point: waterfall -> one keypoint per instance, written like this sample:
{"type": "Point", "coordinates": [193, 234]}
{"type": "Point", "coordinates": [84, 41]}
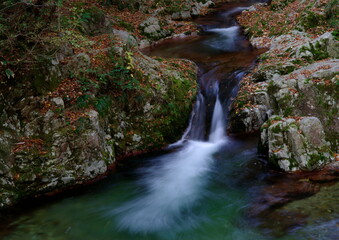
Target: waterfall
{"type": "Point", "coordinates": [217, 132]}
{"type": "Point", "coordinates": [176, 183]}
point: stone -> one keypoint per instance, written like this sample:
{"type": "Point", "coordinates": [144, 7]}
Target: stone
{"type": "Point", "coordinates": [58, 102]}
{"type": "Point", "coordinates": [126, 38]}
{"type": "Point", "coordinates": [176, 16]}
{"type": "Point", "coordinates": [185, 15]}
{"type": "Point", "coordinates": [151, 28]}
{"type": "Point", "coordinates": [144, 44]}
{"type": "Point", "coordinates": [323, 47]}
{"type": "Point", "coordinates": [195, 11]}
{"type": "Point", "coordinates": [248, 120]}
{"type": "Point", "coordinates": [295, 145]}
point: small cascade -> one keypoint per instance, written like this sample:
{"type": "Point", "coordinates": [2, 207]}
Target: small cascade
{"type": "Point", "coordinates": [226, 38]}
{"type": "Point", "coordinates": [176, 183]}
{"type": "Point", "coordinates": [196, 127]}
{"type": "Point", "coordinates": [217, 132]}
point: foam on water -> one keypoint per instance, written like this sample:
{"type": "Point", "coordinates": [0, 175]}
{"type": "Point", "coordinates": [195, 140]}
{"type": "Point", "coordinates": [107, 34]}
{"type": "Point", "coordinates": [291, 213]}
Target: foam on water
{"type": "Point", "coordinates": [171, 190]}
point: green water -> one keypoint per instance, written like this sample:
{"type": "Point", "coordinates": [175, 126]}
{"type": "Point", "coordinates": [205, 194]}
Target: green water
{"type": "Point", "coordinates": [219, 212]}
{"type": "Point", "coordinates": [203, 191]}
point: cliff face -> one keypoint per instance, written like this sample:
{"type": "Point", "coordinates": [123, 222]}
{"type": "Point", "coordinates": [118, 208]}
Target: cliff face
{"type": "Point", "coordinates": [76, 93]}
{"type": "Point", "coordinates": [292, 95]}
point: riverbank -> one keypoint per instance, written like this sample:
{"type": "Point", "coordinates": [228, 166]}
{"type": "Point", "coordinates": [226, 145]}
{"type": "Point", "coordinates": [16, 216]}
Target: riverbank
{"type": "Point", "coordinates": [291, 97]}
{"type": "Point", "coordinates": [77, 94]}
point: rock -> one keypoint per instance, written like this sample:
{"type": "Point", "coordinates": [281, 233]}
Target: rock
{"type": "Point", "coordinates": [95, 168]}
{"type": "Point", "coordinates": [151, 28]}
{"type": "Point", "coordinates": [58, 102]}
{"type": "Point", "coordinates": [295, 144]}
{"type": "Point", "coordinates": [185, 15]}
{"type": "Point", "coordinates": [254, 7]}
{"type": "Point", "coordinates": [126, 38]}
{"type": "Point", "coordinates": [144, 44]}
{"type": "Point", "coordinates": [83, 60]}
{"type": "Point", "coordinates": [195, 11]}
{"type": "Point", "coordinates": [248, 120]}
{"type": "Point", "coordinates": [96, 22]}
{"type": "Point", "coordinates": [66, 151]}
{"type": "Point", "coordinates": [208, 4]}
{"type": "Point", "coordinates": [323, 47]}
{"type": "Point", "coordinates": [79, 62]}
{"type": "Point", "coordinates": [176, 16]}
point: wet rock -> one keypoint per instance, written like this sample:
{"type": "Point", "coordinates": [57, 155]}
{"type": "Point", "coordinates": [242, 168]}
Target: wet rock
{"type": "Point", "coordinates": [248, 120]}
{"type": "Point", "coordinates": [284, 188]}
{"type": "Point", "coordinates": [296, 144]}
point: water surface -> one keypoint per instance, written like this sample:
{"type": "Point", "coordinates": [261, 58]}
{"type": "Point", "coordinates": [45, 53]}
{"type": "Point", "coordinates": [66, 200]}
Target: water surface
{"type": "Point", "coordinates": [201, 187]}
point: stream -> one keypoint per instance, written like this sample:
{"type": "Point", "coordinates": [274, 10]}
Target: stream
{"type": "Point", "coordinates": [200, 187]}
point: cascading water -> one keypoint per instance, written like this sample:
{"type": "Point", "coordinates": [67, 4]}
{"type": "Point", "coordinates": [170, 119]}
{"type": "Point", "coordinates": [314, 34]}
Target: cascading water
{"type": "Point", "coordinates": [175, 185]}
{"type": "Point", "coordinates": [199, 188]}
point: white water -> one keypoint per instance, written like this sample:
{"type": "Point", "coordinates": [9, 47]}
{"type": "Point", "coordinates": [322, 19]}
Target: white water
{"type": "Point", "coordinates": [218, 124]}
{"type": "Point", "coordinates": [233, 11]}
{"type": "Point", "coordinates": [226, 39]}
{"type": "Point", "coordinates": [171, 190]}
{"type": "Point", "coordinates": [176, 184]}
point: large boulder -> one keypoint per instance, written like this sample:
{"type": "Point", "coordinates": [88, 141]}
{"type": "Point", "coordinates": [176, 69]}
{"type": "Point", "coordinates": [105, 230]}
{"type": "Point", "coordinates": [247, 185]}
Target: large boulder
{"type": "Point", "coordinates": [54, 141]}
{"type": "Point", "coordinates": [309, 91]}
{"type": "Point", "coordinates": [295, 143]}
{"type": "Point", "coordinates": [250, 118]}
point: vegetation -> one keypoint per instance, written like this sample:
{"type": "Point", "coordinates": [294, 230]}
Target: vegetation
{"type": "Point", "coordinates": [302, 15]}
{"type": "Point", "coordinates": [66, 49]}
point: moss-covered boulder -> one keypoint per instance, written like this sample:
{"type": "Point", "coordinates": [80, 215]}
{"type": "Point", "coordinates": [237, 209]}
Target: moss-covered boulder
{"type": "Point", "coordinates": [108, 103]}
{"type": "Point", "coordinates": [153, 30]}
{"type": "Point", "coordinates": [295, 143]}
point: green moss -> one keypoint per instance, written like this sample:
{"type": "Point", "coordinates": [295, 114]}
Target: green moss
{"type": "Point", "coordinates": [315, 160]}
{"type": "Point", "coordinates": [333, 138]}
{"type": "Point", "coordinates": [129, 27]}
{"type": "Point", "coordinates": [318, 50]}
{"type": "Point", "coordinates": [283, 70]}
{"type": "Point", "coordinates": [332, 12]}
{"type": "Point", "coordinates": [279, 5]}
{"type": "Point", "coordinates": [311, 20]}
{"type": "Point", "coordinates": [293, 163]}
{"type": "Point", "coordinates": [335, 33]}
{"type": "Point", "coordinates": [288, 111]}
{"type": "Point", "coordinates": [277, 128]}
{"type": "Point", "coordinates": [286, 105]}
{"type": "Point", "coordinates": [272, 88]}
